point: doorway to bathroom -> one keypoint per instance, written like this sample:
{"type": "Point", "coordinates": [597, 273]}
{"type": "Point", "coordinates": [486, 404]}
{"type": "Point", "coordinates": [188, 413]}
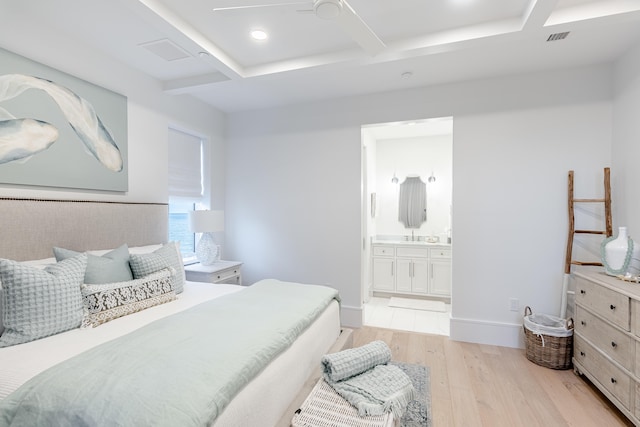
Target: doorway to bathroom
{"type": "Point", "coordinates": [406, 225]}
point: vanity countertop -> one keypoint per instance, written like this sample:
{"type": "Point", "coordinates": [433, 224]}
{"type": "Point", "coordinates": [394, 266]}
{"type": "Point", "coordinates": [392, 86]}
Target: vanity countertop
{"type": "Point", "coordinates": [409, 242]}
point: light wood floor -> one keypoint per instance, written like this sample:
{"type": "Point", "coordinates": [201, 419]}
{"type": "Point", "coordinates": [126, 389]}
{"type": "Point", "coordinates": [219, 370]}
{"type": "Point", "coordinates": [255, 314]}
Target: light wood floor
{"type": "Point", "coordinates": [481, 385]}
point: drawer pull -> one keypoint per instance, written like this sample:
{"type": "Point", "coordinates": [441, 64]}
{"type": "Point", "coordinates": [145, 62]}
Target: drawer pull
{"type": "Point", "coordinates": [583, 323]}
{"type": "Point", "coordinates": [612, 307]}
{"type": "Point", "coordinates": [582, 354]}
{"type": "Point", "coordinates": [583, 292]}
{"type": "Point", "coordinates": [613, 381]}
{"type": "Point", "coordinates": [613, 344]}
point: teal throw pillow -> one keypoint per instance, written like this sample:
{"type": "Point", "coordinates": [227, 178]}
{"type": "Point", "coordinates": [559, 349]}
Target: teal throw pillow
{"type": "Point", "coordinates": [167, 256]}
{"type": "Point", "coordinates": [38, 303]}
{"type": "Point", "coordinates": [111, 267]}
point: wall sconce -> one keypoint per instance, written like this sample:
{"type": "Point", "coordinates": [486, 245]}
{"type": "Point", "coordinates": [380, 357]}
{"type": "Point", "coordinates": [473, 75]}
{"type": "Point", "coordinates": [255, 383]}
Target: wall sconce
{"type": "Point", "coordinates": [207, 223]}
{"type": "Point", "coordinates": [432, 178]}
{"type": "Point", "coordinates": [394, 180]}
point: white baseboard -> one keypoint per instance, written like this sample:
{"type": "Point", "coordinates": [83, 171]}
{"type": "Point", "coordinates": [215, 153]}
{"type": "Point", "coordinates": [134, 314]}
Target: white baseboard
{"type": "Point", "coordinates": [484, 332]}
{"type": "Point", "coordinates": [351, 316]}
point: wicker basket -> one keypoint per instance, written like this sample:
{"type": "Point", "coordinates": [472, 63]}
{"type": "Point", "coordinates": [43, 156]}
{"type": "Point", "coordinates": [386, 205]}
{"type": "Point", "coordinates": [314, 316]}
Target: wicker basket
{"type": "Point", "coordinates": [549, 350]}
{"type": "Point", "coordinates": [326, 408]}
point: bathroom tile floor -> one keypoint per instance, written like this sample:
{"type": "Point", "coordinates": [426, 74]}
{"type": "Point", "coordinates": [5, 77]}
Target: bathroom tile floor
{"type": "Point", "coordinates": [378, 313]}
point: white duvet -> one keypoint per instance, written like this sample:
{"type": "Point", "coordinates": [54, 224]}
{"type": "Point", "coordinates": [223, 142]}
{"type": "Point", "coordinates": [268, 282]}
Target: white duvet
{"type": "Point", "coordinates": [21, 362]}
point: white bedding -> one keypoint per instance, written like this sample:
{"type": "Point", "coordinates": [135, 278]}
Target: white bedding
{"type": "Point", "coordinates": [21, 362]}
{"type": "Point", "coordinates": [255, 405]}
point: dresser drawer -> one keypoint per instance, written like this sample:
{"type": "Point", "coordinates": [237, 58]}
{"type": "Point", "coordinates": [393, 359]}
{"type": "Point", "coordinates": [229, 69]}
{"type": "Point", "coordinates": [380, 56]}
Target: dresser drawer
{"type": "Point", "coordinates": [612, 306]}
{"type": "Point", "coordinates": [637, 359]}
{"type": "Point", "coordinates": [635, 317]}
{"type": "Point", "coordinates": [611, 341]}
{"type": "Point", "coordinates": [440, 253]}
{"type": "Point", "coordinates": [411, 252]}
{"type": "Point", "coordinates": [637, 406]}
{"type": "Point", "coordinates": [608, 375]}
{"type": "Point", "coordinates": [384, 251]}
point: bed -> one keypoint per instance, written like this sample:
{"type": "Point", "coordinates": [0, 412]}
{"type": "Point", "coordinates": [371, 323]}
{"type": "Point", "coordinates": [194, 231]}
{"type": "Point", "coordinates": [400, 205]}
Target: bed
{"type": "Point", "coordinates": [126, 347]}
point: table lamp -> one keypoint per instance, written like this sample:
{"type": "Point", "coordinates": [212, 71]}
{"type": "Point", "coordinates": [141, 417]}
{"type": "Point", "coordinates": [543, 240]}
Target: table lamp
{"type": "Point", "coordinates": [207, 223]}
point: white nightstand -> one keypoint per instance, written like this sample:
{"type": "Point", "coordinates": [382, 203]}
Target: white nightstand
{"type": "Point", "coordinates": [220, 272]}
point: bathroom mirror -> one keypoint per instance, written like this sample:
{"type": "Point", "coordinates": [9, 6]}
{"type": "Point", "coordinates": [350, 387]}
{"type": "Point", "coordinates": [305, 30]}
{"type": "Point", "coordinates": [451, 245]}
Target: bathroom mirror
{"type": "Point", "coordinates": [412, 208]}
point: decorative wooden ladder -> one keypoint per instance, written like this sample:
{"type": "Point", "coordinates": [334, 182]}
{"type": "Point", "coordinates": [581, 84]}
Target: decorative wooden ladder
{"type": "Point", "coordinates": [608, 231]}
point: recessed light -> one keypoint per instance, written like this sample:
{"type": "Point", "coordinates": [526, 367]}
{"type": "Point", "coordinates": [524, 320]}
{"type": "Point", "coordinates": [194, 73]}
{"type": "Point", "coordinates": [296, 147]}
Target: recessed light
{"type": "Point", "coordinates": [258, 35]}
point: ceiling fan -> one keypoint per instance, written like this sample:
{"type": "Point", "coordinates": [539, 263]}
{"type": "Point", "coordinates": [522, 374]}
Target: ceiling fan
{"type": "Point", "coordinates": [336, 10]}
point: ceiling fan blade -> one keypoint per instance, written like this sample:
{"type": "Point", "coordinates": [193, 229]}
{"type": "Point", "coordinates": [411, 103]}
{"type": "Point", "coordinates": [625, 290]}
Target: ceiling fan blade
{"type": "Point", "coordinates": [354, 26]}
{"type": "Point", "coordinates": [263, 3]}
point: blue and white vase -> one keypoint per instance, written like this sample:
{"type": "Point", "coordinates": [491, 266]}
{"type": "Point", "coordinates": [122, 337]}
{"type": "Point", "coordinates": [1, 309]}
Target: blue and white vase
{"type": "Point", "coordinates": [620, 254]}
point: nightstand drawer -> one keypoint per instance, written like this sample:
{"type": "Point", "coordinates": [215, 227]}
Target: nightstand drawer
{"type": "Point", "coordinates": [227, 276]}
{"type": "Point", "coordinates": [220, 272]}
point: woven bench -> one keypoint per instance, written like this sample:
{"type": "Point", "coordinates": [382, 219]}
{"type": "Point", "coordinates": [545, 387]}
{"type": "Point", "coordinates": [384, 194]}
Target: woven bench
{"type": "Point", "coordinates": [326, 408]}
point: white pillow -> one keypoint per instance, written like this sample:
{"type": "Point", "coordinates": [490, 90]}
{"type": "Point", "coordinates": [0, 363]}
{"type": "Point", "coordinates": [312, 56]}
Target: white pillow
{"type": "Point", "coordinates": [144, 249]}
{"type": "Point", "coordinates": [40, 263]}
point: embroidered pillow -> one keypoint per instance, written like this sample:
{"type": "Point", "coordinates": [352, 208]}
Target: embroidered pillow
{"type": "Point", "coordinates": [38, 303]}
{"type": "Point", "coordinates": [105, 302]}
{"type": "Point", "coordinates": [111, 267]}
{"type": "Point", "coordinates": [1, 323]}
{"type": "Point", "coordinates": [167, 256]}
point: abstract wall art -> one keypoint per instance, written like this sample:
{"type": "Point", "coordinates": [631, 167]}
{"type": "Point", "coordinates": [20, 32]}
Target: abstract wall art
{"type": "Point", "coordinates": [57, 130]}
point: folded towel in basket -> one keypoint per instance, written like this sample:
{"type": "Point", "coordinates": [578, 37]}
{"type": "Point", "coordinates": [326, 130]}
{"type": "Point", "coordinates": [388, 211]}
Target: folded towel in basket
{"type": "Point", "coordinates": [363, 378]}
{"type": "Point", "coordinates": [354, 361]}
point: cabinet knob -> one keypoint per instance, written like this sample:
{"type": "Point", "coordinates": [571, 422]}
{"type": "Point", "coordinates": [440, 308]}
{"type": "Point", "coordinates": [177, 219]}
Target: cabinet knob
{"type": "Point", "coordinates": [613, 344]}
{"type": "Point", "coordinates": [612, 307]}
{"type": "Point", "coordinates": [583, 292]}
{"type": "Point", "coordinates": [583, 323]}
{"type": "Point", "coordinates": [582, 354]}
{"type": "Point", "coordinates": [613, 381]}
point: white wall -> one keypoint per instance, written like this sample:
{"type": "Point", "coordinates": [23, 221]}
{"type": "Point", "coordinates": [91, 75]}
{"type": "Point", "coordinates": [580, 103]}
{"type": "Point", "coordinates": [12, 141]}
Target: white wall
{"type": "Point", "coordinates": [294, 191]}
{"type": "Point", "coordinates": [625, 172]}
{"type": "Point", "coordinates": [150, 112]}
{"type": "Point", "coordinates": [510, 208]}
{"type": "Point", "coordinates": [369, 187]}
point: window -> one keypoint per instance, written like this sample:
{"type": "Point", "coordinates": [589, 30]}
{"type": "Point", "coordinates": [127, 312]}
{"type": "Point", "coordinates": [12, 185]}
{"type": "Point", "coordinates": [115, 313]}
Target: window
{"type": "Point", "coordinates": [186, 186]}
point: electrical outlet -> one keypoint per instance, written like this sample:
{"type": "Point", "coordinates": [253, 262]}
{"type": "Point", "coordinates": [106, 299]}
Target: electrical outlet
{"type": "Point", "coordinates": [514, 304]}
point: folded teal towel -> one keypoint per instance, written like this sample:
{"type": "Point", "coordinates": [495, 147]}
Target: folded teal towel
{"type": "Point", "coordinates": [363, 378]}
{"type": "Point", "coordinates": [354, 361]}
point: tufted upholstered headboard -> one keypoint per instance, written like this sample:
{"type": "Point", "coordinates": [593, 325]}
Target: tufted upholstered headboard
{"type": "Point", "coordinates": [29, 228]}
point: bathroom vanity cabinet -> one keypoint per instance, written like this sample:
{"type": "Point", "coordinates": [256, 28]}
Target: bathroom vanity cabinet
{"type": "Point", "coordinates": [412, 268]}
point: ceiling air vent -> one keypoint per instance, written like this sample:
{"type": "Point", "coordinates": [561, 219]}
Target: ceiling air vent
{"type": "Point", "coordinates": [558, 36]}
{"type": "Point", "coordinates": [166, 49]}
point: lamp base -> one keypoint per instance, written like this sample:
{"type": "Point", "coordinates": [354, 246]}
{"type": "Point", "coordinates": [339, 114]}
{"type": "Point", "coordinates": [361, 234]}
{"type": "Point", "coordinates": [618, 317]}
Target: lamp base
{"type": "Point", "coordinates": [207, 251]}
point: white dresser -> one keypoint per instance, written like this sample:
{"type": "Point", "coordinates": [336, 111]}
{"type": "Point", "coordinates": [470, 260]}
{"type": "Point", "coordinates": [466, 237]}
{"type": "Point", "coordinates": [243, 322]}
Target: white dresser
{"type": "Point", "coordinates": [606, 345]}
{"type": "Point", "coordinates": [412, 268]}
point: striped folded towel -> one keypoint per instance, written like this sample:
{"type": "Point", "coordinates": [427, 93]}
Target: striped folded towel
{"type": "Point", "coordinates": [354, 361]}
{"type": "Point", "coordinates": [363, 378]}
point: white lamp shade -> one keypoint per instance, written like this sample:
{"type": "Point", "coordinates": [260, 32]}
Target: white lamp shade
{"type": "Point", "coordinates": [206, 221]}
